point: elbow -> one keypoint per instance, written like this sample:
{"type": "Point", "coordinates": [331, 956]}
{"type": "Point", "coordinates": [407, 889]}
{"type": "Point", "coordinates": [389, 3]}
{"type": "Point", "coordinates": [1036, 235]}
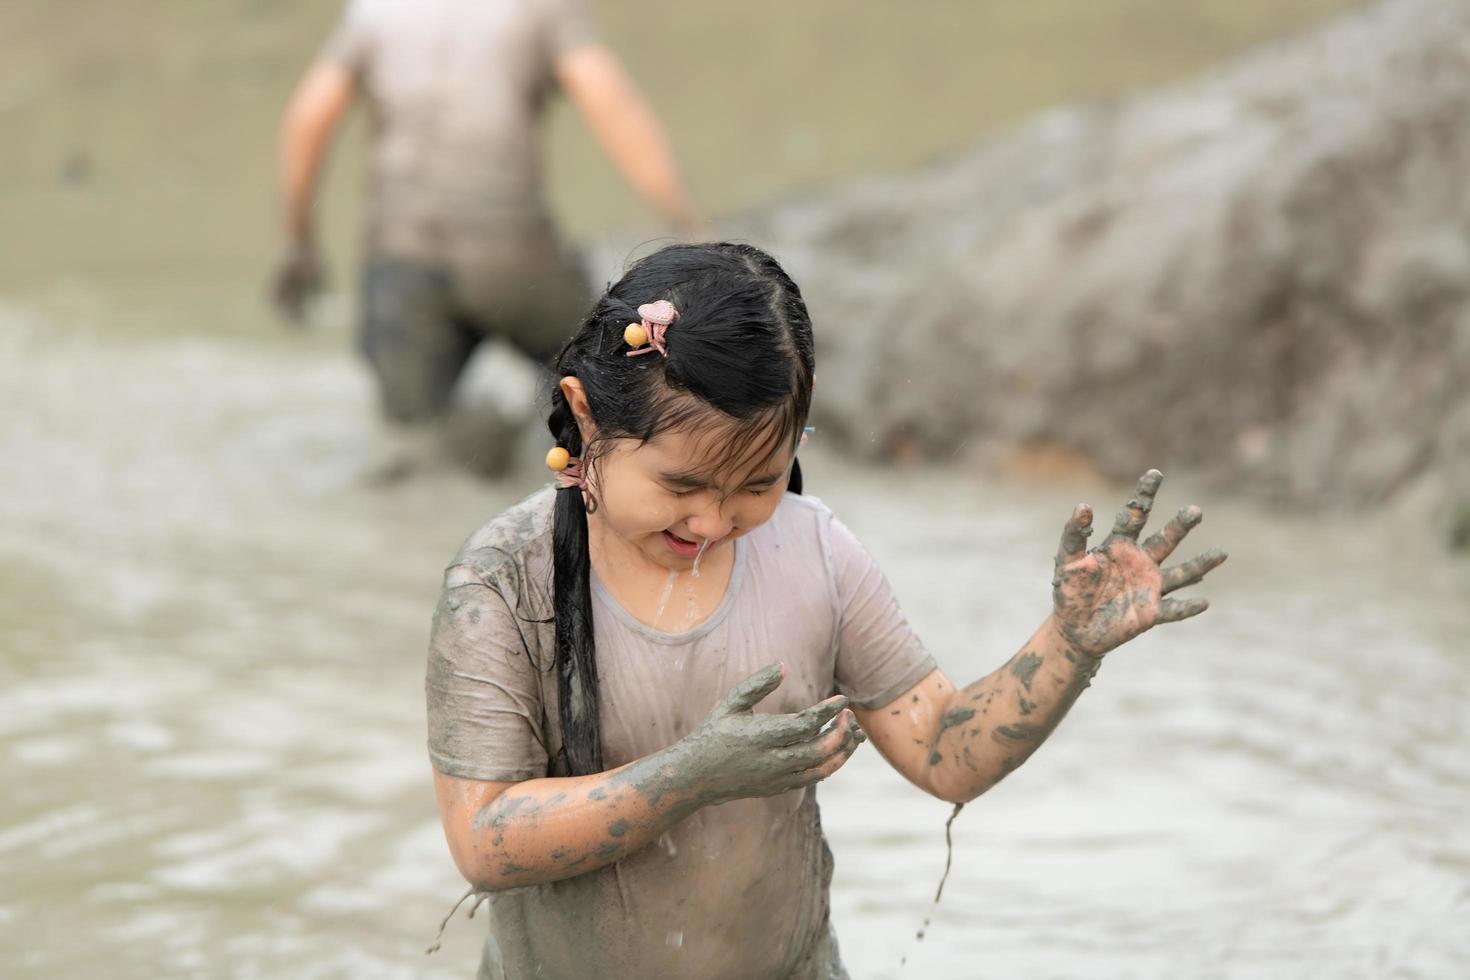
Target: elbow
{"type": "Point", "coordinates": [474, 872]}
{"type": "Point", "coordinates": [482, 868]}
{"type": "Point", "coordinates": [960, 788]}
{"type": "Point", "coordinates": [487, 884]}
{"type": "Point", "coordinates": [487, 867]}
{"type": "Point", "coordinates": [957, 796]}
{"type": "Point", "coordinates": [482, 874]}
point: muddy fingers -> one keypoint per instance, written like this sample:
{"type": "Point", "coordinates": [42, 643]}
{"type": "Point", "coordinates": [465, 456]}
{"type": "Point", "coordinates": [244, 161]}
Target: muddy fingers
{"type": "Point", "coordinates": [807, 723]}
{"type": "Point", "coordinates": [737, 753]}
{"type": "Point", "coordinates": [1193, 571]}
{"type": "Point", "coordinates": [1074, 535]}
{"type": "Point", "coordinates": [754, 689]}
{"type": "Point", "coordinates": [1162, 544]}
{"type": "Point", "coordinates": [852, 737]}
{"type": "Point", "coordinates": [1134, 514]}
{"type": "Point", "coordinates": [1173, 610]}
{"type": "Point", "coordinates": [1114, 591]}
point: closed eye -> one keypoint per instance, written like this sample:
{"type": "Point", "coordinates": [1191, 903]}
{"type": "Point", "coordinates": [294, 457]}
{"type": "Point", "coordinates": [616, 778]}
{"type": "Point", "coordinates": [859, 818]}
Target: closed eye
{"type": "Point", "coordinates": [764, 484]}
{"type": "Point", "coordinates": [682, 489]}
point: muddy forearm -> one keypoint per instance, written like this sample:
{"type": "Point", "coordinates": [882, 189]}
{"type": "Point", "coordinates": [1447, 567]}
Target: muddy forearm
{"type": "Point", "coordinates": [545, 830]}
{"type": "Point", "coordinates": [993, 725]}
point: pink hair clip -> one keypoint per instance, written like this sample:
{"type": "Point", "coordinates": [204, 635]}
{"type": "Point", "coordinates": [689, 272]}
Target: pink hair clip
{"type": "Point", "coordinates": [572, 476]}
{"type": "Point", "coordinates": [656, 319]}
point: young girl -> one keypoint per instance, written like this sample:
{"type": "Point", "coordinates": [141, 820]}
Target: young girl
{"type": "Point", "coordinates": [637, 677]}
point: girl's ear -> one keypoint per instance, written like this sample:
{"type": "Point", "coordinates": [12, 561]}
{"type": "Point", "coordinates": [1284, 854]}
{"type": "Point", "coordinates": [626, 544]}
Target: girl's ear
{"type": "Point", "coordinates": [576, 396]}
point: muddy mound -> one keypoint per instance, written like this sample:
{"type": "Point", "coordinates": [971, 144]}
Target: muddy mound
{"type": "Point", "coordinates": [1262, 275]}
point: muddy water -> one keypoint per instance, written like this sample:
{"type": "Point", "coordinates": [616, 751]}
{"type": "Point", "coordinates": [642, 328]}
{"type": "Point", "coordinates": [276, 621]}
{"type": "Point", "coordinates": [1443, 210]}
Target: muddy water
{"type": "Point", "coordinates": [211, 722]}
{"type": "Point", "coordinates": [211, 636]}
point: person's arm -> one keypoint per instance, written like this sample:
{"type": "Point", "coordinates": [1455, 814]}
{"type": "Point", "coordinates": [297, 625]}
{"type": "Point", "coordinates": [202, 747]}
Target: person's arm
{"type": "Point", "coordinates": [629, 132]}
{"type": "Point", "coordinates": [506, 835]}
{"type": "Point", "coordinates": [307, 127]}
{"type": "Point", "coordinates": [957, 743]}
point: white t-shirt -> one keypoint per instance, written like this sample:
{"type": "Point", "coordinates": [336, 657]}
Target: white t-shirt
{"type": "Point", "coordinates": [743, 886]}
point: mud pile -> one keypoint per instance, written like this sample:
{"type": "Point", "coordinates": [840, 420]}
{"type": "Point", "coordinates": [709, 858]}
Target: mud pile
{"type": "Point", "coordinates": [1262, 275]}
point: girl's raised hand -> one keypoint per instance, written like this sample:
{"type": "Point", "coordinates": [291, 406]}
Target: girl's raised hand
{"type": "Point", "coordinates": [736, 753]}
{"type": "Point", "coordinates": [1109, 594]}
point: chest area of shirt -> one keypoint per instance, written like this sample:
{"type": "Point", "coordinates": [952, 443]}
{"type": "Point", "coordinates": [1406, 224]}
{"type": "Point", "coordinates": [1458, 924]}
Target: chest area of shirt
{"type": "Point", "coordinates": [675, 600]}
{"type": "Point", "coordinates": [655, 692]}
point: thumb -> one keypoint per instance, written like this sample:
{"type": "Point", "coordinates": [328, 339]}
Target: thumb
{"type": "Point", "coordinates": [754, 689]}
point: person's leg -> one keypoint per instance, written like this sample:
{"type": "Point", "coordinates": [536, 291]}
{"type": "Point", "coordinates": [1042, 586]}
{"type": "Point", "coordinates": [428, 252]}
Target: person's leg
{"type": "Point", "coordinates": [480, 430]}
{"type": "Point", "coordinates": [411, 337]}
{"type": "Point", "coordinates": [417, 350]}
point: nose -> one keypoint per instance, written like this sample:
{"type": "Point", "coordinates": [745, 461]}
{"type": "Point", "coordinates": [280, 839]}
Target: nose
{"type": "Point", "coordinates": [711, 521]}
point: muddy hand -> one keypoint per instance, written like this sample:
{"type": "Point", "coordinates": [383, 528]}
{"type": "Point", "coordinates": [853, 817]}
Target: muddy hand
{"type": "Point", "coordinates": [738, 753]}
{"type": "Point", "coordinates": [297, 280]}
{"type": "Point", "coordinates": [1105, 596]}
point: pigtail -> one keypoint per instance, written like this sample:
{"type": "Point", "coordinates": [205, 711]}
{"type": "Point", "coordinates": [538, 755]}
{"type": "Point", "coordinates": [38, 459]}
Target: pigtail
{"type": "Point", "coordinates": [576, 655]}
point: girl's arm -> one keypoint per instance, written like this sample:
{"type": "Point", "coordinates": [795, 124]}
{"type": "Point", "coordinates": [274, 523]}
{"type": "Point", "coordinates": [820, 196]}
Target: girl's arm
{"type": "Point", "coordinates": [506, 835]}
{"type": "Point", "coordinates": [956, 744]}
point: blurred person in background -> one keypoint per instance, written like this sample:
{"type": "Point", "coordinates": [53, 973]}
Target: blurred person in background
{"type": "Point", "coordinates": [459, 242]}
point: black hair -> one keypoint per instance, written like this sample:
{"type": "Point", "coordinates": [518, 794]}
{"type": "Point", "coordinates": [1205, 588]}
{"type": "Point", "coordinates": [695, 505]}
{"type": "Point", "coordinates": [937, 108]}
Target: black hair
{"type": "Point", "coordinates": [741, 350]}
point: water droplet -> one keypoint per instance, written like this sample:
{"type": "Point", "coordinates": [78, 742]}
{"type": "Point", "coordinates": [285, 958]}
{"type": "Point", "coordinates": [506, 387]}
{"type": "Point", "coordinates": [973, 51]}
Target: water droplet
{"type": "Point", "coordinates": [663, 599]}
{"type": "Point", "coordinates": [703, 545]}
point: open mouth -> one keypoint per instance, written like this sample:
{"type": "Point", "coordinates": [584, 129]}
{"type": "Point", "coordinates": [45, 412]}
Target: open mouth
{"type": "Point", "coordinates": [680, 547]}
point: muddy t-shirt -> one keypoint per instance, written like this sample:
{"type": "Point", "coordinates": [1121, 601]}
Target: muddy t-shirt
{"type": "Point", "coordinates": [734, 891]}
{"type": "Point", "coordinates": [457, 90]}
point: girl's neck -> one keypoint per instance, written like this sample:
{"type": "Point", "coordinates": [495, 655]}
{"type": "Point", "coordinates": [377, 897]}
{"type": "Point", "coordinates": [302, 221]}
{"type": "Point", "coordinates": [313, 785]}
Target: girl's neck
{"type": "Point", "coordinates": [673, 599]}
{"type": "Point", "coordinates": [614, 556]}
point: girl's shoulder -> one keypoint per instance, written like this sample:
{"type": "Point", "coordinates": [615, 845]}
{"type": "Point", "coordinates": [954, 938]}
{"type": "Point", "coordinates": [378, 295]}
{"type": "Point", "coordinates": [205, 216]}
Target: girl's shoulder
{"type": "Point", "coordinates": [802, 509]}
{"type": "Point", "coordinates": [800, 524]}
{"type": "Point", "coordinates": [806, 530]}
{"type": "Point", "coordinates": [517, 539]}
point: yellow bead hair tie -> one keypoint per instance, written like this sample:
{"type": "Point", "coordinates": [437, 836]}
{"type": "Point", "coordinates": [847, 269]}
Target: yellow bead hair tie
{"type": "Point", "coordinates": [568, 469]}
{"type": "Point", "coordinates": [635, 336]}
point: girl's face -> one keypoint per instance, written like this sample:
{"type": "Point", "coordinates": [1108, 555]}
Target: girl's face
{"type": "Point", "coordinates": [670, 495]}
